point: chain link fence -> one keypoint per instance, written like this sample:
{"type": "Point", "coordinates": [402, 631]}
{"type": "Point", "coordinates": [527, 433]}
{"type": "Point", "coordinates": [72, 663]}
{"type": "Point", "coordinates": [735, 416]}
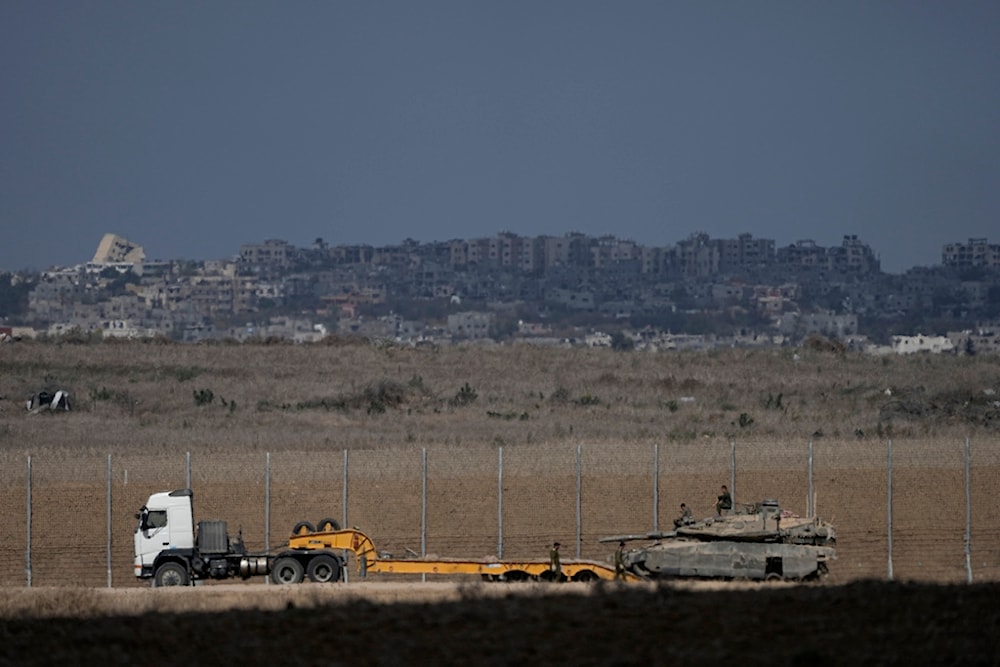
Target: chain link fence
{"type": "Point", "coordinates": [913, 510]}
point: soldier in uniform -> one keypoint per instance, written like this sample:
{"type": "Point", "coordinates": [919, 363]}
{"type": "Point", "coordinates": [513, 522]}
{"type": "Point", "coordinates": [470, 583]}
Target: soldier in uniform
{"type": "Point", "coordinates": [725, 501]}
{"type": "Point", "coordinates": [554, 565]}
{"type": "Point", "coordinates": [620, 562]}
{"type": "Point", "coordinates": [685, 517]}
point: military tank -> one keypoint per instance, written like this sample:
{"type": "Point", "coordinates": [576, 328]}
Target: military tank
{"type": "Point", "coordinates": [759, 541]}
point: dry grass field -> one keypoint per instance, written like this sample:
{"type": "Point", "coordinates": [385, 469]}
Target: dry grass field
{"type": "Point", "coordinates": [352, 395]}
{"type": "Point", "coordinates": [311, 413]}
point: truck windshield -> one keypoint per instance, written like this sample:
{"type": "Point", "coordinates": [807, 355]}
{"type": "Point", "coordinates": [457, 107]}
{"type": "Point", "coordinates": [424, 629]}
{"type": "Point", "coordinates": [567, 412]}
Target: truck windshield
{"type": "Point", "coordinates": [151, 519]}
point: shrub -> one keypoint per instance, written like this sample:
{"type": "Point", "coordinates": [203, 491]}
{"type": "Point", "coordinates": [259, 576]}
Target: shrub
{"type": "Point", "coordinates": [386, 394]}
{"type": "Point", "coordinates": [185, 373]}
{"type": "Point", "coordinates": [560, 395]}
{"type": "Point", "coordinates": [466, 396]}
{"type": "Point", "coordinates": [203, 396]}
{"type": "Point", "coordinates": [119, 397]}
{"type": "Point", "coordinates": [621, 343]}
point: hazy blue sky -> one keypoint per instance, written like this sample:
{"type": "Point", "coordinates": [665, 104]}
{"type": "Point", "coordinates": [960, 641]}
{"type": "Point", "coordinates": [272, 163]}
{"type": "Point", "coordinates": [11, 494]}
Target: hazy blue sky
{"type": "Point", "coordinates": [193, 127]}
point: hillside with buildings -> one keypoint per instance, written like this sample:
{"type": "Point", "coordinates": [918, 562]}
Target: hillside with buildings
{"type": "Point", "coordinates": [573, 289]}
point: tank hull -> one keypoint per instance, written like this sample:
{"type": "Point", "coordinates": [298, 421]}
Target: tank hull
{"type": "Point", "coordinates": [722, 559]}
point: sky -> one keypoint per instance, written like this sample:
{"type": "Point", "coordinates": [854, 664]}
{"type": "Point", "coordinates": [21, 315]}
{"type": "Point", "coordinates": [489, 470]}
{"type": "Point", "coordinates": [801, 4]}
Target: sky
{"type": "Point", "coordinates": [192, 128]}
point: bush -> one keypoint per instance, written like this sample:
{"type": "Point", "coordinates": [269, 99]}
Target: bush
{"type": "Point", "coordinates": [466, 396]}
{"type": "Point", "coordinates": [203, 396]}
{"type": "Point", "coordinates": [119, 397]}
{"type": "Point", "coordinates": [560, 395]}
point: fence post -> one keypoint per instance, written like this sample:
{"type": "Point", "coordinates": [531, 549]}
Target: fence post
{"type": "Point", "coordinates": [267, 502]}
{"type": "Point", "coordinates": [343, 499]}
{"type": "Point", "coordinates": [732, 471]}
{"type": "Point", "coordinates": [423, 509]}
{"type": "Point", "coordinates": [579, 502]}
{"type": "Point", "coordinates": [500, 501]}
{"type": "Point", "coordinates": [343, 512]}
{"type": "Point", "coordinates": [968, 517]}
{"type": "Point", "coordinates": [27, 553]}
{"type": "Point", "coordinates": [109, 522]}
{"type": "Point", "coordinates": [187, 470]}
{"type": "Point", "coordinates": [656, 487]}
{"type": "Point", "coordinates": [889, 505]}
{"type": "Point", "coordinates": [810, 501]}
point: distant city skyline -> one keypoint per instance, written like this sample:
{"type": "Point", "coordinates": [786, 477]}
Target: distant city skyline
{"type": "Point", "coordinates": [194, 128]}
{"type": "Point", "coordinates": [311, 243]}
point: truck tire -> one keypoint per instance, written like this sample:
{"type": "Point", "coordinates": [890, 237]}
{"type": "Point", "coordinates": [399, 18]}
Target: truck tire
{"type": "Point", "coordinates": [170, 574]}
{"type": "Point", "coordinates": [287, 571]}
{"type": "Point", "coordinates": [323, 569]}
{"type": "Point", "coordinates": [303, 528]}
{"type": "Point", "coordinates": [327, 525]}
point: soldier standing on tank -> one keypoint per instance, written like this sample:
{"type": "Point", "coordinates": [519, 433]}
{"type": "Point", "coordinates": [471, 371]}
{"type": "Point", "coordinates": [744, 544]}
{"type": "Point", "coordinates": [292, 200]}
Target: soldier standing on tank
{"type": "Point", "coordinates": [555, 567]}
{"type": "Point", "coordinates": [725, 501]}
{"type": "Point", "coordinates": [620, 562]}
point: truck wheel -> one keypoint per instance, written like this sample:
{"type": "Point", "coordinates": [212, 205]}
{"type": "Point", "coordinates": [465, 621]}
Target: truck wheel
{"type": "Point", "coordinates": [287, 571]}
{"type": "Point", "coordinates": [327, 525]}
{"type": "Point", "coordinates": [170, 574]}
{"type": "Point", "coordinates": [323, 569]}
{"type": "Point", "coordinates": [303, 528]}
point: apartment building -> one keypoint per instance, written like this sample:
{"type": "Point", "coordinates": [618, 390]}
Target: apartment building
{"type": "Point", "coordinates": [977, 253]}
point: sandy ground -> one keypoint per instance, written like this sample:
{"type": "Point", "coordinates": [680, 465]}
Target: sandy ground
{"type": "Point", "coordinates": [366, 623]}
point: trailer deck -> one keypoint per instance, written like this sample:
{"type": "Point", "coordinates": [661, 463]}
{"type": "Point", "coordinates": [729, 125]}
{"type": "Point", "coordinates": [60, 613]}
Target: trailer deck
{"type": "Point", "coordinates": [492, 569]}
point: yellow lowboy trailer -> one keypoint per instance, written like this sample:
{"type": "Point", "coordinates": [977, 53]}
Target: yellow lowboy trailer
{"type": "Point", "coordinates": [170, 552]}
{"type": "Point", "coordinates": [490, 569]}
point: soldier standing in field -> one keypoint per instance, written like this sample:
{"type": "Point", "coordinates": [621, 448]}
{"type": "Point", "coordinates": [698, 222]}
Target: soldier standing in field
{"type": "Point", "coordinates": [555, 567]}
{"type": "Point", "coordinates": [620, 562]}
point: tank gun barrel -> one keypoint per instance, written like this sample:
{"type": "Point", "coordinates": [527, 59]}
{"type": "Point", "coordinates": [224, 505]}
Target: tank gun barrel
{"type": "Point", "coordinates": [656, 535]}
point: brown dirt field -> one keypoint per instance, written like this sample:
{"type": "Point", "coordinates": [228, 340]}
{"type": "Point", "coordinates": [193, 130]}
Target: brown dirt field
{"type": "Point", "coordinates": [863, 623]}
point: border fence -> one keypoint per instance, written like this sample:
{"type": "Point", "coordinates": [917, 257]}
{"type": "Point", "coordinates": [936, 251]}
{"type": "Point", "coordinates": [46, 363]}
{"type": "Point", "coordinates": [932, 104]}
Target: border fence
{"type": "Point", "coordinates": [913, 510]}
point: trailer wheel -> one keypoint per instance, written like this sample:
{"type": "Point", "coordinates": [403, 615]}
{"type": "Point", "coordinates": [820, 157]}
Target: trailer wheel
{"type": "Point", "coordinates": [287, 571]}
{"type": "Point", "coordinates": [585, 576]}
{"type": "Point", "coordinates": [303, 528]}
{"type": "Point", "coordinates": [323, 569]}
{"type": "Point", "coordinates": [170, 574]}
{"type": "Point", "coordinates": [328, 524]}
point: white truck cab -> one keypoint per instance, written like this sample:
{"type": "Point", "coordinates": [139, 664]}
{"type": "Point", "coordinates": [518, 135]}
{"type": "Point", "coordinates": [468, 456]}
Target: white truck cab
{"type": "Point", "coordinates": [171, 552]}
{"type": "Point", "coordinates": [166, 521]}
